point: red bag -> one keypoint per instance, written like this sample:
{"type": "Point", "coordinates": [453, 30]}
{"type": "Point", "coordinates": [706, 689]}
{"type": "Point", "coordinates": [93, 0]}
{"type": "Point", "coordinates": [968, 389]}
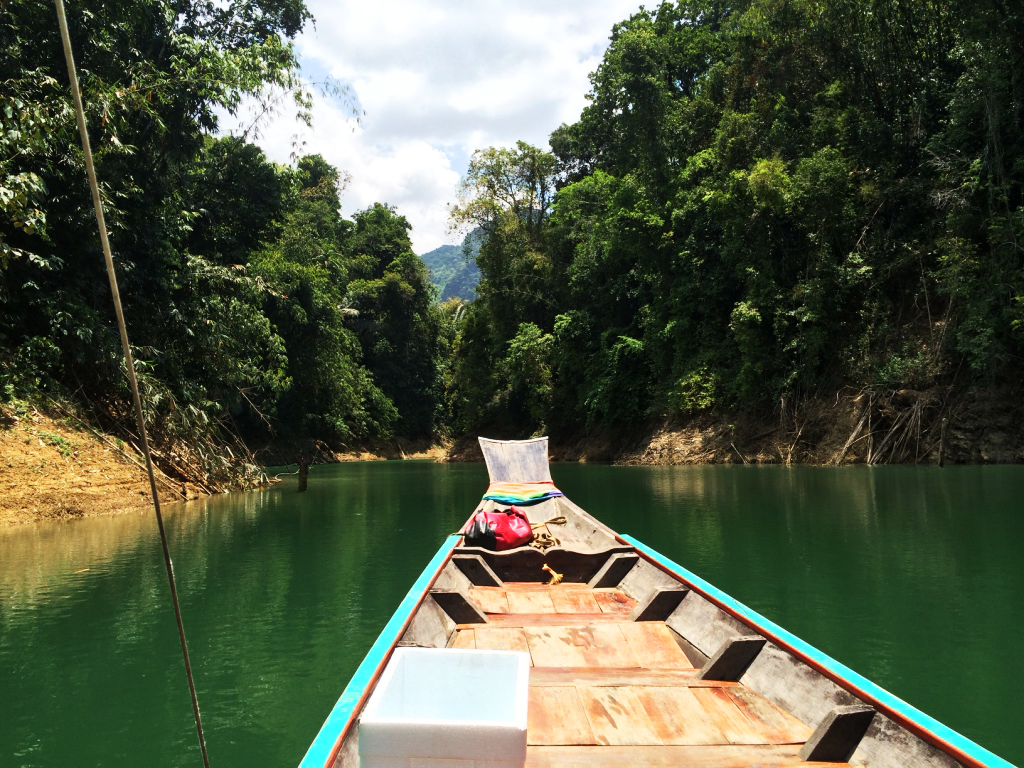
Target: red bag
{"type": "Point", "coordinates": [498, 530]}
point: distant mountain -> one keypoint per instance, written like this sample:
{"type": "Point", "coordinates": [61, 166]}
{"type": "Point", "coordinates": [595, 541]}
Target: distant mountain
{"type": "Point", "coordinates": [453, 268]}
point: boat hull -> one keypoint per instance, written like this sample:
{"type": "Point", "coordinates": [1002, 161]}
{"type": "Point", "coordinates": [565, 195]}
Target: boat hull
{"type": "Point", "coordinates": [613, 626]}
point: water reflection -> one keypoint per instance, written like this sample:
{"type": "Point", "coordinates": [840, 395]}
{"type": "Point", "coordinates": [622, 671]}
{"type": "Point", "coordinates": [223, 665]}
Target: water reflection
{"type": "Point", "coordinates": [908, 575]}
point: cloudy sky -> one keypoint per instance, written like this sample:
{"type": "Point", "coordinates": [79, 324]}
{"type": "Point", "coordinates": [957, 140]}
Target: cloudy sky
{"type": "Point", "coordinates": [438, 79]}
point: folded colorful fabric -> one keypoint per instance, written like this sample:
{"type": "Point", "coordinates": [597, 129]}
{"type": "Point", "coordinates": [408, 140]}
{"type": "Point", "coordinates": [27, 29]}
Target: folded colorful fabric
{"type": "Point", "coordinates": [521, 493]}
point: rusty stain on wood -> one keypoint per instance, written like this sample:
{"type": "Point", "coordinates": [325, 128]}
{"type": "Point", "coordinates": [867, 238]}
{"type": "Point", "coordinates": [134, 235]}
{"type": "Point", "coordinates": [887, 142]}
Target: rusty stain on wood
{"type": "Point", "coordinates": [619, 676]}
{"type": "Point", "coordinates": [501, 639]}
{"type": "Point", "coordinates": [614, 601]}
{"type": "Point", "coordinates": [491, 599]}
{"type": "Point", "coordinates": [600, 679]}
{"type": "Point", "coordinates": [529, 602]}
{"type": "Point", "coordinates": [721, 709]}
{"type": "Point", "coordinates": [574, 601]}
{"type": "Point", "coordinates": [778, 726]}
{"type": "Point", "coordinates": [616, 716]}
{"type": "Point", "coordinates": [549, 619]}
{"type": "Point", "coordinates": [555, 716]}
{"type": "Point", "coordinates": [654, 646]}
{"type": "Point", "coordinates": [717, 756]}
{"type": "Point", "coordinates": [677, 717]}
{"type": "Point", "coordinates": [464, 638]}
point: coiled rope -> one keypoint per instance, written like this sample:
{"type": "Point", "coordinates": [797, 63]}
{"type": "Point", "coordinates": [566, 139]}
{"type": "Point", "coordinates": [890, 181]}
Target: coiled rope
{"type": "Point", "coordinates": [129, 363]}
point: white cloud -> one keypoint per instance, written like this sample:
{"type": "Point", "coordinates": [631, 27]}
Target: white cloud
{"type": "Point", "coordinates": [439, 79]}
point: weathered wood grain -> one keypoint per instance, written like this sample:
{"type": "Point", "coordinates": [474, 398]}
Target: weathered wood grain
{"type": "Point", "coordinates": [532, 586]}
{"type": "Point", "coordinates": [733, 658]}
{"type": "Point", "coordinates": [574, 601]}
{"type": "Point", "coordinates": [777, 726]}
{"type": "Point", "coordinates": [661, 603]}
{"type": "Point", "coordinates": [490, 599]}
{"type": "Point", "coordinates": [704, 625]}
{"type": "Point", "coordinates": [653, 645]}
{"type": "Point", "coordinates": [693, 756]}
{"type": "Point", "coordinates": [551, 647]}
{"type": "Point", "coordinates": [721, 709]}
{"type": "Point", "coordinates": [614, 601]}
{"type": "Point", "coordinates": [794, 685]}
{"type": "Point", "coordinates": [677, 717]}
{"type": "Point", "coordinates": [555, 716]}
{"type": "Point", "coordinates": [586, 645]}
{"type": "Point", "coordinates": [532, 601]}
{"type": "Point", "coordinates": [614, 569]}
{"type": "Point", "coordinates": [839, 734]}
{"type": "Point", "coordinates": [501, 639]}
{"type": "Point", "coordinates": [616, 716]}
{"type": "Point", "coordinates": [604, 645]}
{"type": "Point", "coordinates": [550, 619]}
{"type": "Point", "coordinates": [464, 638]}
{"type": "Point", "coordinates": [620, 676]}
{"type": "Point", "coordinates": [888, 745]}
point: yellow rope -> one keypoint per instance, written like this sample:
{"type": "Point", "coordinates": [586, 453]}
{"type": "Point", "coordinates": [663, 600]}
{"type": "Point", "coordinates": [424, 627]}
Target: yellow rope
{"type": "Point", "coordinates": [543, 539]}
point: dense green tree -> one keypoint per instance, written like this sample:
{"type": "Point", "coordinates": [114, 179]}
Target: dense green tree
{"type": "Point", "coordinates": [332, 397]}
{"type": "Point", "coordinates": [507, 196]}
{"type": "Point", "coordinates": [396, 317]}
{"type": "Point", "coordinates": [761, 202]}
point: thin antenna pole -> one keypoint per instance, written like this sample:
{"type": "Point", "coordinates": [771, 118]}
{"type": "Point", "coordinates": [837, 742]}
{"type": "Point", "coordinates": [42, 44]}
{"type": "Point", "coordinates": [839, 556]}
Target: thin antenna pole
{"type": "Point", "coordinates": [130, 364]}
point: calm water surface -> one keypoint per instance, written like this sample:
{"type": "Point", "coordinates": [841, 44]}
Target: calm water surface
{"type": "Point", "coordinates": [912, 576]}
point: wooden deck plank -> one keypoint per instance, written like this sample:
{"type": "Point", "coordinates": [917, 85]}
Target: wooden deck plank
{"type": "Point", "coordinates": [491, 599]}
{"type": "Point", "coordinates": [654, 646]}
{"type": "Point", "coordinates": [619, 676]}
{"type": "Point", "coordinates": [696, 757]}
{"type": "Point", "coordinates": [677, 717]}
{"type": "Point", "coordinates": [574, 601]}
{"type": "Point", "coordinates": [551, 647]}
{"type": "Point", "coordinates": [529, 601]}
{"type": "Point", "coordinates": [501, 639]}
{"type": "Point", "coordinates": [727, 717]}
{"type": "Point", "coordinates": [604, 645]}
{"type": "Point", "coordinates": [533, 586]}
{"type": "Point", "coordinates": [614, 601]}
{"type": "Point", "coordinates": [464, 638]}
{"type": "Point", "coordinates": [581, 645]}
{"type": "Point", "coordinates": [555, 716]}
{"type": "Point", "coordinates": [616, 716]}
{"type": "Point", "coordinates": [550, 619]}
{"type": "Point", "coordinates": [779, 726]}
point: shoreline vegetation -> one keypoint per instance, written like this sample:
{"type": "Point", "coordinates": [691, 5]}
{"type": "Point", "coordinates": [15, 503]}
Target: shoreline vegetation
{"type": "Point", "coordinates": [777, 233]}
{"type": "Point", "coordinates": [59, 469]}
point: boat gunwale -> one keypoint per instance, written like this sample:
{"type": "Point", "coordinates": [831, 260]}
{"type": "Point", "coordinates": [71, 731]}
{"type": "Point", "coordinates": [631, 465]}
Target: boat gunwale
{"type": "Point", "coordinates": [904, 714]}
{"type": "Point", "coordinates": [324, 749]}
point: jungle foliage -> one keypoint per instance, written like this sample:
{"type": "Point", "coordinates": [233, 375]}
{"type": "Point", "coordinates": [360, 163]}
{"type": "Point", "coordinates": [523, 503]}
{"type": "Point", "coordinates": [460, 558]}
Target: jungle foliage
{"type": "Point", "coordinates": [255, 309]}
{"type": "Point", "coordinates": [763, 201]}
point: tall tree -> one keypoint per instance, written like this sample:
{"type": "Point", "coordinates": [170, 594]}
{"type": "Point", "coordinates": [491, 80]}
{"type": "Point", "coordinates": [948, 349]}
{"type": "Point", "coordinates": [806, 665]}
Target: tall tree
{"type": "Point", "coordinates": [397, 320]}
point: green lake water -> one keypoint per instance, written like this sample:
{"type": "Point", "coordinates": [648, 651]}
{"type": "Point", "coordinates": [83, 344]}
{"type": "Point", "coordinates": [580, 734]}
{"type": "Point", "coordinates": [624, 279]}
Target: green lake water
{"type": "Point", "coordinates": [911, 576]}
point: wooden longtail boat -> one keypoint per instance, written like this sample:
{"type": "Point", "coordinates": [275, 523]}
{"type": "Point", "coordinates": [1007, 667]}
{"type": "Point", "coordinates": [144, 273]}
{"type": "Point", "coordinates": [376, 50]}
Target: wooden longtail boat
{"type": "Point", "coordinates": [635, 660]}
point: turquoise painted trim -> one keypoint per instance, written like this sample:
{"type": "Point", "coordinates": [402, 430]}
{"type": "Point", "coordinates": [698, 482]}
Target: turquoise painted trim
{"type": "Point", "coordinates": [345, 709]}
{"type": "Point", "coordinates": [941, 732]}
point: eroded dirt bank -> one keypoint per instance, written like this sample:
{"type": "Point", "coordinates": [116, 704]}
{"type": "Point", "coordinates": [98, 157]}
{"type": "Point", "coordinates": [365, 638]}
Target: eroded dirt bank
{"type": "Point", "coordinates": [51, 471]}
{"type": "Point", "coordinates": [976, 426]}
{"type": "Point", "coordinates": [900, 427]}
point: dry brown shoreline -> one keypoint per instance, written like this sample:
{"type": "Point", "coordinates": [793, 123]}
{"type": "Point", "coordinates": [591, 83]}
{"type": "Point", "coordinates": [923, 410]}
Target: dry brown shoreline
{"type": "Point", "coordinates": [50, 470]}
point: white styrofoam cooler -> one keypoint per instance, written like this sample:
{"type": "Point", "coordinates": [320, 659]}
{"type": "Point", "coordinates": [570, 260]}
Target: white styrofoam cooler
{"type": "Point", "coordinates": [443, 707]}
